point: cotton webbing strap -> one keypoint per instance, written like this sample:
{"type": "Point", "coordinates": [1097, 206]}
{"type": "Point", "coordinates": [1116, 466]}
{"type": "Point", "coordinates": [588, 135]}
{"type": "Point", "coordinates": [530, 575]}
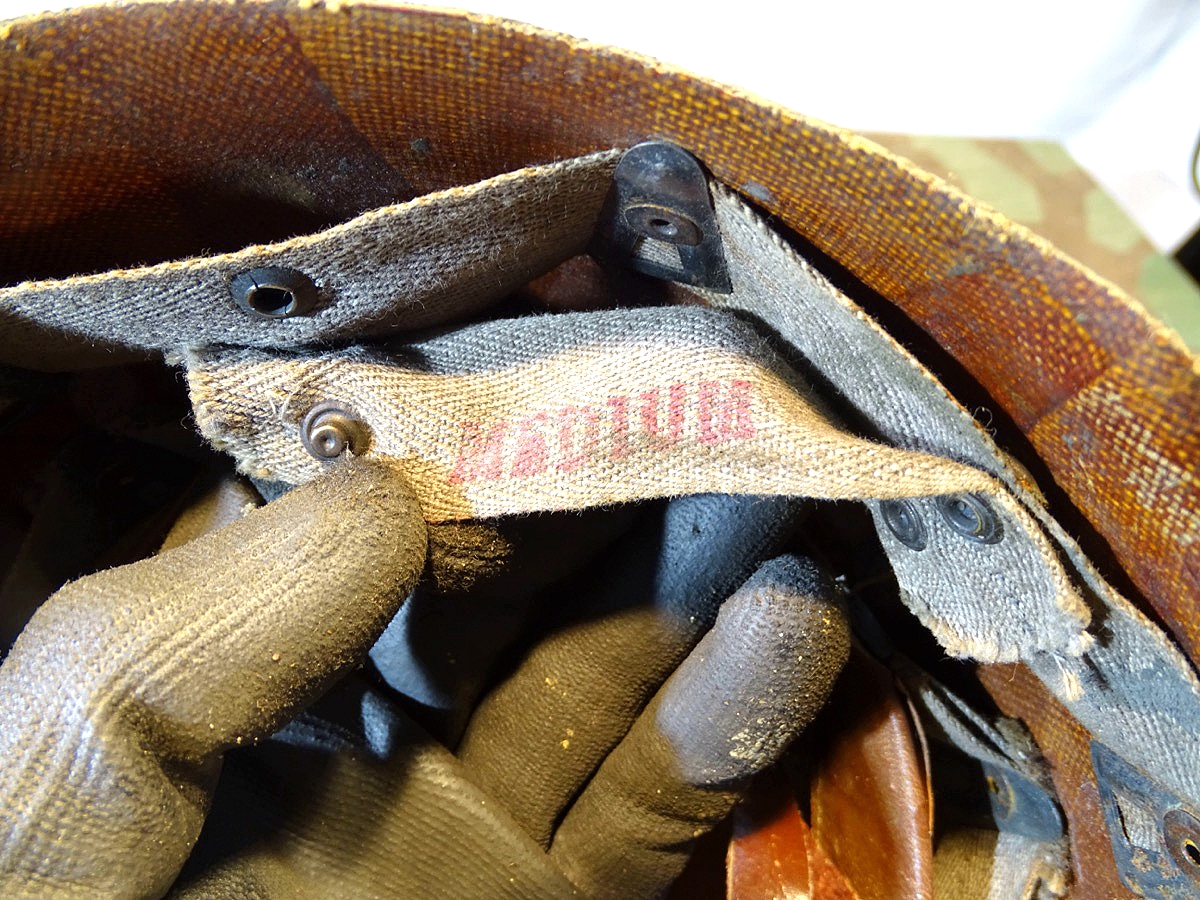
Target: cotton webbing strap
{"type": "Point", "coordinates": [430, 260]}
{"type": "Point", "coordinates": [564, 412]}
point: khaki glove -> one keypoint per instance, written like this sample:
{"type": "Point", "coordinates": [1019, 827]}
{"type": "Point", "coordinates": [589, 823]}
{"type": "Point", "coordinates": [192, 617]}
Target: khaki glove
{"type": "Point", "coordinates": [120, 698]}
{"type": "Point", "coordinates": [583, 772]}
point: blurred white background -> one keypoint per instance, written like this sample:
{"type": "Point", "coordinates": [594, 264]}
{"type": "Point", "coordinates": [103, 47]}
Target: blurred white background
{"type": "Point", "coordinates": [1116, 81]}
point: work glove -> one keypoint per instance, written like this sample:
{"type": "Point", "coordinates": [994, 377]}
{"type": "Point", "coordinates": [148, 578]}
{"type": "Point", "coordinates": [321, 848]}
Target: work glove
{"type": "Point", "coordinates": [128, 686]}
{"type": "Point", "coordinates": [638, 707]}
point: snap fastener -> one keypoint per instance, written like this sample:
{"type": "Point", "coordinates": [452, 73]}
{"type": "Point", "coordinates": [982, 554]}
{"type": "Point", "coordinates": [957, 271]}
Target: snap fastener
{"type": "Point", "coordinates": [903, 520]}
{"type": "Point", "coordinates": [274, 292]}
{"type": "Point", "coordinates": [1181, 831]}
{"type": "Point", "coordinates": [329, 430]}
{"type": "Point", "coordinates": [972, 517]}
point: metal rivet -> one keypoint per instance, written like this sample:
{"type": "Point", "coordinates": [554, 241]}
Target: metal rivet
{"type": "Point", "coordinates": [903, 520]}
{"type": "Point", "coordinates": [274, 292]}
{"type": "Point", "coordinates": [329, 430]}
{"type": "Point", "coordinates": [662, 223]}
{"type": "Point", "coordinates": [972, 517]}
{"type": "Point", "coordinates": [1181, 832]}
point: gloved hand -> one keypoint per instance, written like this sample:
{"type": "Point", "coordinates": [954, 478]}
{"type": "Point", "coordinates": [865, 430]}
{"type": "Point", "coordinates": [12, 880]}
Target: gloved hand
{"type": "Point", "coordinates": [129, 685]}
{"type": "Point", "coordinates": [582, 771]}
{"type": "Point", "coordinates": [120, 697]}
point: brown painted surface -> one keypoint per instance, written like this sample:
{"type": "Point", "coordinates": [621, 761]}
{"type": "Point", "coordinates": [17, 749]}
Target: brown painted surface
{"type": "Point", "coordinates": [1038, 185]}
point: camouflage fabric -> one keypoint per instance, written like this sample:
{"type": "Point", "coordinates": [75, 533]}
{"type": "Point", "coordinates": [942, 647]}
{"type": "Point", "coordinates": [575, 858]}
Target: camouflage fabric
{"type": "Point", "coordinates": [1037, 184]}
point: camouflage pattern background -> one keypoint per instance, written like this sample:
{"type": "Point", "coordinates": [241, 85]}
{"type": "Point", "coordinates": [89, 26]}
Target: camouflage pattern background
{"type": "Point", "coordinates": [1037, 184]}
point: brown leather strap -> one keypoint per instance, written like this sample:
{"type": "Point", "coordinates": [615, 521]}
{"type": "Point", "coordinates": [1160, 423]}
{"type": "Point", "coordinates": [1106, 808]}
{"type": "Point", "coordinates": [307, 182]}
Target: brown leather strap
{"type": "Point", "coordinates": [1065, 744]}
{"type": "Point", "coordinates": [773, 852]}
{"type": "Point", "coordinates": [870, 803]}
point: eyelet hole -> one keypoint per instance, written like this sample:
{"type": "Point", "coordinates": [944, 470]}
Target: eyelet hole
{"type": "Point", "coordinates": [274, 292]}
{"type": "Point", "coordinates": [665, 230]}
{"type": "Point", "coordinates": [663, 224]}
{"type": "Point", "coordinates": [271, 301]}
{"type": "Point", "coordinates": [1181, 834]}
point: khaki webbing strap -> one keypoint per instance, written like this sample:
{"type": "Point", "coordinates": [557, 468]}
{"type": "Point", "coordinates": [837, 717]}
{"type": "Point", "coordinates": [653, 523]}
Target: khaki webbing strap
{"type": "Point", "coordinates": [586, 410]}
{"type": "Point", "coordinates": [434, 259]}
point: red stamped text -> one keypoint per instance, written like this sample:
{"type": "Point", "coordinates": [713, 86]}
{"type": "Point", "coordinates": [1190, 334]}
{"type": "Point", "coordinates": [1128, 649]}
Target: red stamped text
{"type": "Point", "coordinates": [710, 412]}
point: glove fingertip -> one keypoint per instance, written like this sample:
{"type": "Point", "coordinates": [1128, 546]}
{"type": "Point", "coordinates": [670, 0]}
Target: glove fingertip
{"type": "Point", "coordinates": [759, 677]}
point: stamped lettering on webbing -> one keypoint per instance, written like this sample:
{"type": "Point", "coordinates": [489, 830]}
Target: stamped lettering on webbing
{"type": "Point", "coordinates": [709, 412]}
